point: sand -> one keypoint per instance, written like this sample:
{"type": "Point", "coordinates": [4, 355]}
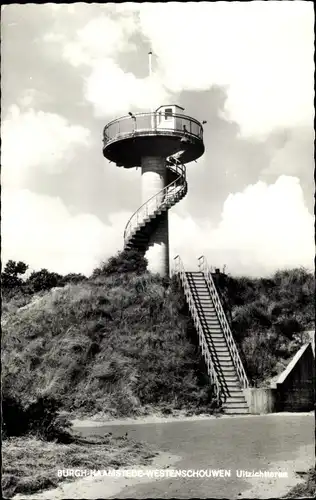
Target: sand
{"type": "Point", "coordinates": [100, 487]}
{"type": "Point", "coordinates": [263, 488]}
{"type": "Point", "coordinates": [158, 419]}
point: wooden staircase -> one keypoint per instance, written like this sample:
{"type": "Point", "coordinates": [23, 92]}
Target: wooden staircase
{"type": "Point", "coordinates": [218, 346]}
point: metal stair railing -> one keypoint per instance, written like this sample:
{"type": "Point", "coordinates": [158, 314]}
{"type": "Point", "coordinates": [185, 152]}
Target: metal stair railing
{"type": "Point", "coordinates": [204, 268]}
{"type": "Point", "coordinates": [160, 200]}
{"type": "Point", "coordinates": [179, 269]}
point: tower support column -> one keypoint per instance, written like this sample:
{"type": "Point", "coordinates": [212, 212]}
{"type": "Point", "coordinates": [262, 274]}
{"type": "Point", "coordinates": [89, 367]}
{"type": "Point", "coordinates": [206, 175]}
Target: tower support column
{"type": "Point", "coordinates": [153, 181]}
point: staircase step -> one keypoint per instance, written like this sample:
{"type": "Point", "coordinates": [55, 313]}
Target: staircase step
{"type": "Point", "coordinates": [241, 404]}
{"type": "Point", "coordinates": [204, 301]}
{"type": "Point", "coordinates": [213, 323]}
{"type": "Point", "coordinates": [217, 336]}
{"type": "Point", "coordinates": [236, 411]}
{"type": "Point", "coordinates": [220, 345]}
{"type": "Point", "coordinates": [226, 365]}
{"type": "Point", "coordinates": [212, 328]}
{"type": "Point", "coordinates": [215, 333]}
{"type": "Point", "coordinates": [236, 398]}
{"type": "Point", "coordinates": [224, 356]}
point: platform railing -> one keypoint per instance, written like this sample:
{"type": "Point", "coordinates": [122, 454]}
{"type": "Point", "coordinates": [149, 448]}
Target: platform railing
{"type": "Point", "coordinates": [151, 123]}
{"type": "Point", "coordinates": [204, 268]}
{"type": "Point", "coordinates": [160, 200]}
{"type": "Point", "coordinates": [180, 271]}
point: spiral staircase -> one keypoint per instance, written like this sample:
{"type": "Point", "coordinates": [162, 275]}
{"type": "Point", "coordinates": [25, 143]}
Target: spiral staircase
{"type": "Point", "coordinates": [146, 219]}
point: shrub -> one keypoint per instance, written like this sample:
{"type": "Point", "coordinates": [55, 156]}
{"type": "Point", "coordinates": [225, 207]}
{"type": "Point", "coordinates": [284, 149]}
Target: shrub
{"type": "Point", "coordinates": [127, 261]}
{"type": "Point", "coordinates": [41, 418]}
{"type": "Point", "coordinates": [13, 417]}
{"type": "Point", "coordinates": [44, 280]}
{"type": "Point", "coordinates": [44, 421]}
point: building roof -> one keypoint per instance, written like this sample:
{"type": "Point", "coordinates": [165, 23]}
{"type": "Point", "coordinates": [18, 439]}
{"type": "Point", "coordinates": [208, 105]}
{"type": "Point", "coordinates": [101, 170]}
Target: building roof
{"type": "Point", "coordinates": [168, 105]}
{"type": "Point", "coordinates": [293, 362]}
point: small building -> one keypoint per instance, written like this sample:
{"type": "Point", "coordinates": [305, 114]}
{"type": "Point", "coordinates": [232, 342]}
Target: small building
{"type": "Point", "coordinates": [296, 384]}
{"type": "Point", "coordinates": [170, 117]}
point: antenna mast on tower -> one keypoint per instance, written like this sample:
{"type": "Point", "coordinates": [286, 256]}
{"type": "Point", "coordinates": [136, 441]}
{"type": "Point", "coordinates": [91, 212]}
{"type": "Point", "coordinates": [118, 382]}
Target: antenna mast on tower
{"type": "Point", "coordinates": [150, 74]}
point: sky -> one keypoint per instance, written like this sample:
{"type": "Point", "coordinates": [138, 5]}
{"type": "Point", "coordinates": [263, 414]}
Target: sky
{"type": "Point", "coordinates": [245, 67]}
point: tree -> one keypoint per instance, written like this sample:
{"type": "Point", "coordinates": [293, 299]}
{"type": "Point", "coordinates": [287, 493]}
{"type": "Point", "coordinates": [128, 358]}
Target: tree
{"type": "Point", "coordinates": [44, 280]}
{"type": "Point", "coordinates": [11, 274]}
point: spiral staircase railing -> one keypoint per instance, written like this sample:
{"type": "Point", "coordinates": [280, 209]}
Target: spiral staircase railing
{"type": "Point", "coordinates": [163, 200]}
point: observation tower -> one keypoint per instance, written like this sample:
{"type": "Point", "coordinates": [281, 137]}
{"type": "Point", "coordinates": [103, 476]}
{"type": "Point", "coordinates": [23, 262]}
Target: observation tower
{"type": "Point", "coordinates": [161, 142]}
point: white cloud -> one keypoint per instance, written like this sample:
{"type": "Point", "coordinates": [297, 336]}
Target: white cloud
{"type": "Point", "coordinates": [262, 52]}
{"type": "Point", "coordinates": [37, 140]}
{"type": "Point", "coordinates": [264, 228]}
{"type": "Point", "coordinates": [112, 91]}
{"type": "Point", "coordinates": [40, 231]}
{"type": "Point", "coordinates": [296, 156]}
{"type": "Point", "coordinates": [96, 47]}
{"type": "Point", "coordinates": [99, 39]}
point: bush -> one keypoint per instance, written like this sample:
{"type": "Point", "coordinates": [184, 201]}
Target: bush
{"type": "Point", "coordinates": [288, 327]}
{"type": "Point", "coordinates": [269, 316]}
{"type": "Point", "coordinates": [41, 419]}
{"type": "Point", "coordinates": [14, 422]}
{"type": "Point", "coordinates": [44, 280]}
{"type": "Point", "coordinates": [127, 261]}
{"type": "Point", "coordinates": [259, 360]}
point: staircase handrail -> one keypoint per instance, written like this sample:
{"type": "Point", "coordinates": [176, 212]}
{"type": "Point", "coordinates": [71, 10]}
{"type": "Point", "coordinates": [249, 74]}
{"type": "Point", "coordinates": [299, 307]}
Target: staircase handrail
{"type": "Point", "coordinates": [180, 270]}
{"type": "Point", "coordinates": [177, 168]}
{"type": "Point", "coordinates": [203, 266]}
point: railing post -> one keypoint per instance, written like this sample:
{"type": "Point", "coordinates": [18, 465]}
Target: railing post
{"type": "Point", "coordinates": [201, 263]}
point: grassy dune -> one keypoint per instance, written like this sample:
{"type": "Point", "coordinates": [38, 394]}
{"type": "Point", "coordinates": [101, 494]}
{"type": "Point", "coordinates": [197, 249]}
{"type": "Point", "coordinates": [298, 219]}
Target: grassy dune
{"type": "Point", "coordinates": [112, 344]}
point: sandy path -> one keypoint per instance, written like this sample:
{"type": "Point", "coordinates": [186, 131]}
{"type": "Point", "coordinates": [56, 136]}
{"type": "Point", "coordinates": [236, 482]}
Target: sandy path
{"type": "Point", "coordinates": [157, 419]}
{"type": "Point", "coordinates": [100, 487]}
{"type": "Point", "coordinates": [276, 442]}
{"type": "Point", "coordinates": [263, 488]}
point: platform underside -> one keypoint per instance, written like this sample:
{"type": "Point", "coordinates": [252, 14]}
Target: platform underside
{"type": "Point", "coordinates": [127, 151]}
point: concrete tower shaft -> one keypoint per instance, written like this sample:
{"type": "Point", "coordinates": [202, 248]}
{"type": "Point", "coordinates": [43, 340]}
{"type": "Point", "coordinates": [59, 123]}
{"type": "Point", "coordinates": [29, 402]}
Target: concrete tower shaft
{"type": "Point", "coordinates": [154, 180]}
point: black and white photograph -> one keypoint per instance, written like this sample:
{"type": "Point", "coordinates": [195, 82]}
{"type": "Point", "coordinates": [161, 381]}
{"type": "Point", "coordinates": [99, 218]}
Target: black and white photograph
{"type": "Point", "coordinates": [158, 250]}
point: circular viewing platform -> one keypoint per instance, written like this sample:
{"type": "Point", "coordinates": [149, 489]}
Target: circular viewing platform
{"type": "Point", "coordinates": [126, 140]}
